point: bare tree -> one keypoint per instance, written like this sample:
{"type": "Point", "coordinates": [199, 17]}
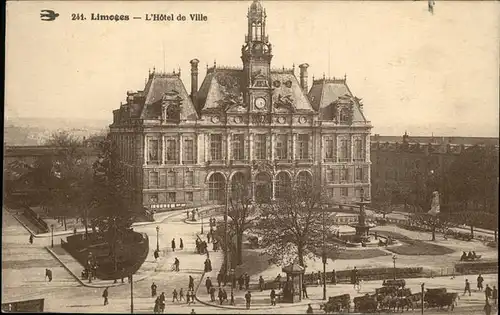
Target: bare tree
{"type": "Point", "coordinates": [292, 226]}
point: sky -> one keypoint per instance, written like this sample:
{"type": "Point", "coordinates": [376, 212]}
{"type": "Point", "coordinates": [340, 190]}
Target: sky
{"type": "Point", "coordinates": [415, 71]}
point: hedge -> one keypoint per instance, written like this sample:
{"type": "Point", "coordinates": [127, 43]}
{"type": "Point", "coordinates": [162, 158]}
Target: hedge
{"type": "Point", "coordinates": [477, 267]}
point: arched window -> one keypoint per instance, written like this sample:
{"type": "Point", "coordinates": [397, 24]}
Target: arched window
{"type": "Point", "coordinates": [239, 186]}
{"type": "Point", "coordinates": [304, 178]}
{"type": "Point", "coordinates": [216, 187]}
{"type": "Point", "coordinates": [282, 184]}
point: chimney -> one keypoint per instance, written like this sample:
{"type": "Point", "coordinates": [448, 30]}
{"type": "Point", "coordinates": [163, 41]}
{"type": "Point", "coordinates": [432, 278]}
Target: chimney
{"type": "Point", "coordinates": [303, 77]}
{"type": "Point", "coordinates": [194, 77]}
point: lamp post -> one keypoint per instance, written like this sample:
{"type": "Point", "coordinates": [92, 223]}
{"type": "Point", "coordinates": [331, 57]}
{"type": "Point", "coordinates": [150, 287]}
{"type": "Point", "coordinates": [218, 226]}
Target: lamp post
{"type": "Point", "coordinates": [394, 262]}
{"type": "Point", "coordinates": [157, 238]}
{"type": "Point", "coordinates": [324, 257]}
{"type": "Point", "coordinates": [231, 273]}
{"type": "Point", "coordinates": [422, 285]}
{"type": "Point", "coordinates": [201, 216]}
{"type": "Point", "coordinates": [52, 235]}
{"type": "Point", "coordinates": [131, 279]}
{"type": "Point", "coordinates": [226, 238]}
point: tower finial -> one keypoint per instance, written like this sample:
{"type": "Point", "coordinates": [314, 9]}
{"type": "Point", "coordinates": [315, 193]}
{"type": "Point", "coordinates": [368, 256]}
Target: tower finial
{"type": "Point", "coordinates": [179, 72]}
{"type": "Point", "coordinates": [345, 76]}
{"type": "Point", "coordinates": [215, 63]}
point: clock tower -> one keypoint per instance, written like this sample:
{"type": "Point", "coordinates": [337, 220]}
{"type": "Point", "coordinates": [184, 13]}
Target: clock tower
{"type": "Point", "coordinates": [256, 56]}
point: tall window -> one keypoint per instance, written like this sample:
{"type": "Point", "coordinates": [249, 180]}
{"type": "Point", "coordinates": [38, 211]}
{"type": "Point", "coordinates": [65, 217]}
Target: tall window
{"type": "Point", "coordinates": [170, 197]}
{"type": "Point", "coordinates": [216, 147]}
{"type": "Point", "coordinates": [153, 179]}
{"type": "Point", "coordinates": [344, 192]}
{"type": "Point", "coordinates": [359, 174]}
{"type": "Point", "coordinates": [344, 115]}
{"type": "Point", "coordinates": [344, 150]}
{"type": "Point", "coordinates": [171, 150]}
{"type": "Point", "coordinates": [238, 147]}
{"type": "Point", "coordinates": [188, 151]}
{"type": "Point", "coordinates": [358, 150]}
{"type": "Point", "coordinates": [170, 179]}
{"type": "Point", "coordinates": [303, 147]}
{"type": "Point", "coordinates": [329, 175]}
{"type": "Point", "coordinates": [281, 147]}
{"type": "Point", "coordinates": [153, 150]}
{"type": "Point", "coordinates": [344, 173]}
{"type": "Point", "coordinates": [189, 196]}
{"type": "Point", "coordinates": [260, 147]}
{"type": "Point", "coordinates": [283, 185]}
{"type": "Point", "coordinates": [189, 178]}
{"type": "Point", "coordinates": [216, 185]}
{"type": "Point", "coordinates": [329, 149]}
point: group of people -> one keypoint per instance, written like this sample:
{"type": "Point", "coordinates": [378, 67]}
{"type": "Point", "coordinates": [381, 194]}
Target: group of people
{"type": "Point", "coordinates": [488, 292]}
{"type": "Point", "coordinates": [177, 296]}
{"type": "Point", "coordinates": [470, 256]}
{"type": "Point", "coordinates": [201, 246]}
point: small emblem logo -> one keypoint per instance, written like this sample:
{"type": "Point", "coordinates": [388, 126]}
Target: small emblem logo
{"type": "Point", "coordinates": [48, 15]}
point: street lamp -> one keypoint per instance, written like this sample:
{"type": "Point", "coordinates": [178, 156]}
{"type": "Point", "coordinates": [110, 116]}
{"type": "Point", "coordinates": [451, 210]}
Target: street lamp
{"type": "Point", "coordinates": [157, 238]}
{"type": "Point", "coordinates": [131, 279]}
{"type": "Point", "coordinates": [52, 235]}
{"type": "Point", "coordinates": [201, 216]}
{"type": "Point", "coordinates": [231, 273]}
{"type": "Point", "coordinates": [422, 285]}
{"type": "Point", "coordinates": [394, 262]}
{"type": "Point", "coordinates": [324, 257]}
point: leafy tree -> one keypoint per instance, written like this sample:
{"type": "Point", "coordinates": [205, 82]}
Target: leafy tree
{"type": "Point", "coordinates": [111, 197]}
{"type": "Point", "coordinates": [241, 213]}
{"type": "Point", "coordinates": [433, 222]}
{"type": "Point", "coordinates": [293, 225]}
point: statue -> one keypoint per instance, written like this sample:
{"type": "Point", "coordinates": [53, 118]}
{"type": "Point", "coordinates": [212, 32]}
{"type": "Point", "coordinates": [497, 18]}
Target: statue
{"type": "Point", "coordinates": [435, 207]}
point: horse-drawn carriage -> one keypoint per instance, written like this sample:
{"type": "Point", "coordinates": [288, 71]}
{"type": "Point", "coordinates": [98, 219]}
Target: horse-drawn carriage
{"type": "Point", "coordinates": [339, 303]}
{"type": "Point", "coordinates": [440, 298]}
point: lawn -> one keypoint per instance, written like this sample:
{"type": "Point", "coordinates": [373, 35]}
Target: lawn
{"type": "Point", "coordinates": [364, 253]}
{"type": "Point", "coordinates": [412, 247]}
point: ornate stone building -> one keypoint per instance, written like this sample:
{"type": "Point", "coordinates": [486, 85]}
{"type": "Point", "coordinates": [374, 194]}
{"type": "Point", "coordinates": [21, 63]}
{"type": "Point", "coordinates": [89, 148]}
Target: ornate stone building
{"type": "Point", "coordinates": [251, 124]}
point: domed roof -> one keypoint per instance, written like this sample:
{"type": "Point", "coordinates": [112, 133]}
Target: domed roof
{"type": "Point", "coordinates": [256, 6]}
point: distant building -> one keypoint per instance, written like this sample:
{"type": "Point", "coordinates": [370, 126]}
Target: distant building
{"type": "Point", "coordinates": [245, 124]}
{"type": "Point", "coordinates": [415, 164]}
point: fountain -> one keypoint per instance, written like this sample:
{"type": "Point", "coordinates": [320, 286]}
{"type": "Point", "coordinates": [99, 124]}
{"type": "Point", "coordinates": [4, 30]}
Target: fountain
{"type": "Point", "coordinates": [362, 227]}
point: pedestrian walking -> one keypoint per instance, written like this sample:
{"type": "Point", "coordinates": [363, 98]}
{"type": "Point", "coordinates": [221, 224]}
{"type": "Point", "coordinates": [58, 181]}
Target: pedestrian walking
{"type": "Point", "coordinates": [191, 283]}
{"type": "Point", "coordinates": [156, 308]}
{"type": "Point", "coordinates": [247, 281]}
{"type": "Point", "coordinates": [208, 284]}
{"type": "Point", "coordinates": [272, 295]}
{"type": "Point", "coordinates": [181, 295]}
{"type": "Point", "coordinates": [173, 244]}
{"type": "Point", "coordinates": [319, 278]}
{"type": "Point", "coordinates": [232, 298]}
{"type": "Point", "coordinates": [467, 287]}
{"type": "Point", "coordinates": [248, 299]}
{"type": "Point", "coordinates": [334, 277]}
{"type": "Point", "coordinates": [208, 237]}
{"type": "Point", "coordinates": [193, 297]}
{"type": "Point", "coordinates": [241, 282]}
{"type": "Point", "coordinates": [304, 291]}
{"type": "Point", "coordinates": [162, 299]}
{"type": "Point", "coordinates": [480, 281]}
{"type": "Point", "coordinates": [487, 292]}
{"type": "Point", "coordinates": [220, 296]}
{"type": "Point", "coordinates": [192, 311]}
{"type": "Point", "coordinates": [48, 274]}
{"type": "Point", "coordinates": [212, 294]}
{"type": "Point", "coordinates": [176, 264]}
{"type": "Point", "coordinates": [31, 238]}
{"type": "Point", "coordinates": [123, 274]}
{"type": "Point", "coordinates": [494, 294]}
{"type": "Point", "coordinates": [309, 309]}
{"type": "Point", "coordinates": [261, 283]}
{"type": "Point", "coordinates": [181, 244]}
{"type": "Point", "coordinates": [105, 296]}
{"type": "Point", "coordinates": [219, 278]}
{"type": "Point", "coordinates": [174, 296]}
{"type": "Point", "coordinates": [153, 290]}
{"type": "Point", "coordinates": [487, 308]}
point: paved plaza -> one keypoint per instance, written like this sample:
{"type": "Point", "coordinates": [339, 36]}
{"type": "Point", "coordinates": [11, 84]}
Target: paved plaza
{"type": "Point", "coordinates": [24, 266]}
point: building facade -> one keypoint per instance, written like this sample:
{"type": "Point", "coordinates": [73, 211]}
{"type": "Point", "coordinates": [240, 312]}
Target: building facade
{"type": "Point", "coordinates": [251, 124]}
{"type": "Point", "coordinates": [412, 167]}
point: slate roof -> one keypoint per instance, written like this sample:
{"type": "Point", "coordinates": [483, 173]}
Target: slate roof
{"type": "Point", "coordinates": [159, 84]}
{"type": "Point", "coordinates": [220, 81]}
{"type": "Point", "coordinates": [325, 91]}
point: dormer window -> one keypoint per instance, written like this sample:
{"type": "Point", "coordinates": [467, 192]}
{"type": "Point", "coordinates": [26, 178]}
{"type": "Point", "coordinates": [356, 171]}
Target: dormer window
{"type": "Point", "coordinates": [344, 115]}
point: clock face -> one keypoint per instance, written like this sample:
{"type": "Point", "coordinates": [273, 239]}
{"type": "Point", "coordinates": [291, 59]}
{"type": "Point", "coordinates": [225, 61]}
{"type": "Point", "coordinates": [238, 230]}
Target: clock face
{"type": "Point", "coordinates": [260, 103]}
